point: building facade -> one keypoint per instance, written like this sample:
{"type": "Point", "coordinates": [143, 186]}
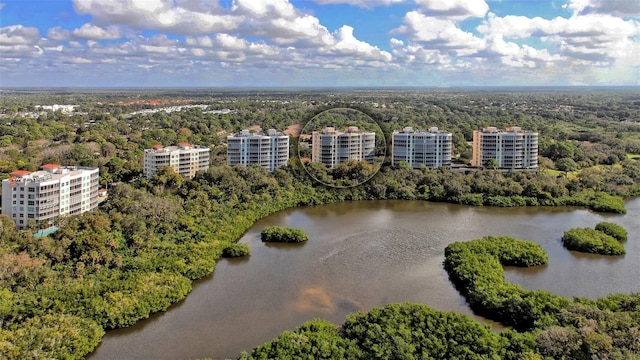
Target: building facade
{"type": "Point", "coordinates": [270, 150]}
{"type": "Point", "coordinates": [332, 147]}
{"type": "Point", "coordinates": [185, 159]}
{"type": "Point", "coordinates": [45, 195]}
{"type": "Point", "coordinates": [512, 148]}
{"type": "Point", "coordinates": [431, 148]}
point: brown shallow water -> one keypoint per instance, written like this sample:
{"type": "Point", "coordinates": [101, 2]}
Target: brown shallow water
{"type": "Point", "coordinates": [360, 255]}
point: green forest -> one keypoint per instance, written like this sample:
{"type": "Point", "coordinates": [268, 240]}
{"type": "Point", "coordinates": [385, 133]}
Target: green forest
{"type": "Point", "coordinates": [140, 251]}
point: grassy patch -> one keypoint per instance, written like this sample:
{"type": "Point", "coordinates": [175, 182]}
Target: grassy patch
{"type": "Point", "coordinates": [569, 175]}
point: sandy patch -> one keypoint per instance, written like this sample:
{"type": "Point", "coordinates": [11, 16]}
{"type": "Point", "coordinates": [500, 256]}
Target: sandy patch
{"type": "Point", "coordinates": [293, 130]}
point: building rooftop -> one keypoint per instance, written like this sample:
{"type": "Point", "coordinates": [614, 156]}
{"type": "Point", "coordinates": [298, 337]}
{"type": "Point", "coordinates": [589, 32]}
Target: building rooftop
{"type": "Point", "coordinates": [349, 130]}
{"type": "Point", "coordinates": [509, 129]}
{"type": "Point", "coordinates": [48, 172]}
{"type": "Point", "coordinates": [158, 148]}
{"type": "Point", "coordinates": [409, 130]}
{"type": "Point", "coordinates": [248, 133]}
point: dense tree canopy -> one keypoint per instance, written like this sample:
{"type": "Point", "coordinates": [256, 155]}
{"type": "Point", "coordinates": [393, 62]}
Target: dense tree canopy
{"type": "Point", "coordinates": [283, 234]}
{"type": "Point", "coordinates": [140, 251]}
{"type": "Point", "coordinates": [604, 239]}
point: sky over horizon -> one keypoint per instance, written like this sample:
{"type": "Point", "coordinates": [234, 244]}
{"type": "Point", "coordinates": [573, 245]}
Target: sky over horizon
{"type": "Point", "coordinates": [321, 43]}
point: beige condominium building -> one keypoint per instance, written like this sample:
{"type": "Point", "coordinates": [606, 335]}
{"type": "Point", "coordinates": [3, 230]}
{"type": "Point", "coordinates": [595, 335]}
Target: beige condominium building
{"type": "Point", "coordinates": [43, 196]}
{"type": "Point", "coordinates": [270, 150]}
{"type": "Point", "coordinates": [332, 147]}
{"type": "Point", "coordinates": [431, 148]}
{"type": "Point", "coordinates": [512, 148]}
{"type": "Point", "coordinates": [185, 159]}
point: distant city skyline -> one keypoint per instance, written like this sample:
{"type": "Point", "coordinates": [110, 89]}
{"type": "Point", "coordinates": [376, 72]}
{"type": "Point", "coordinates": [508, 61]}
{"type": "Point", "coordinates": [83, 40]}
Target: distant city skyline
{"type": "Point", "coordinates": [319, 43]}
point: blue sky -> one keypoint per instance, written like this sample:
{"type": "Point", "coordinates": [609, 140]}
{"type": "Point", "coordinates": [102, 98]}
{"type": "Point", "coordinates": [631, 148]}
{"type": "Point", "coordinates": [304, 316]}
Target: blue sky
{"type": "Point", "coordinates": [324, 43]}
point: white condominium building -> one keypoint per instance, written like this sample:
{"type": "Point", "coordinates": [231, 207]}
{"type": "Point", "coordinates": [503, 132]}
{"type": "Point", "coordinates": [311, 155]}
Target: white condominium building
{"type": "Point", "coordinates": [512, 148]}
{"type": "Point", "coordinates": [45, 195]}
{"type": "Point", "coordinates": [270, 150]}
{"type": "Point", "coordinates": [185, 159]}
{"type": "Point", "coordinates": [431, 148]}
{"type": "Point", "coordinates": [332, 147]}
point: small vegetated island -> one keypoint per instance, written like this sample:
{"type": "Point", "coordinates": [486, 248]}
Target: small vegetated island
{"type": "Point", "coordinates": [236, 250]}
{"type": "Point", "coordinates": [605, 239]}
{"type": "Point", "coordinates": [283, 234]}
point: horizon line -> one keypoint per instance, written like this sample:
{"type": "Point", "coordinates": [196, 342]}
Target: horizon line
{"type": "Point", "coordinates": [311, 87]}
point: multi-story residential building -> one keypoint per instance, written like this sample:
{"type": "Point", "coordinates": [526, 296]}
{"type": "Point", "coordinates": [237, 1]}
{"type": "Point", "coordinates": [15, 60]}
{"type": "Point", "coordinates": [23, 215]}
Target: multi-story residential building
{"type": "Point", "coordinates": [332, 147]}
{"type": "Point", "coordinates": [431, 148]}
{"type": "Point", "coordinates": [512, 148]}
{"type": "Point", "coordinates": [45, 195]}
{"type": "Point", "coordinates": [270, 150]}
{"type": "Point", "coordinates": [185, 159]}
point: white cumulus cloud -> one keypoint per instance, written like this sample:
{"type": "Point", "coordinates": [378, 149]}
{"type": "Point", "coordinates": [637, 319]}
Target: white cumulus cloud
{"type": "Point", "coordinates": [613, 7]}
{"type": "Point", "coordinates": [459, 9]}
{"type": "Point", "coordinates": [19, 35]}
{"type": "Point", "coordinates": [346, 43]}
{"type": "Point", "coordinates": [58, 33]}
{"type": "Point", "coordinates": [230, 42]}
{"type": "Point", "coordinates": [159, 15]}
{"type": "Point", "coordinates": [438, 34]}
{"type": "Point", "coordinates": [361, 3]}
{"type": "Point", "coordinates": [93, 32]}
{"type": "Point", "coordinates": [264, 8]}
{"type": "Point", "coordinates": [591, 37]}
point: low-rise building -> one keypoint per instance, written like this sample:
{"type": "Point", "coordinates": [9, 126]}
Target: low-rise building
{"type": "Point", "coordinates": [431, 148]}
{"type": "Point", "coordinates": [512, 148]}
{"type": "Point", "coordinates": [270, 150]}
{"type": "Point", "coordinates": [43, 196]}
{"type": "Point", "coordinates": [332, 147]}
{"type": "Point", "coordinates": [185, 159]}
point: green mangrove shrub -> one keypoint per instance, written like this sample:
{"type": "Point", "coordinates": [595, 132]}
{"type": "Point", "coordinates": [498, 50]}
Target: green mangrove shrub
{"type": "Point", "coordinates": [283, 234]}
{"type": "Point", "coordinates": [612, 229]}
{"type": "Point", "coordinates": [592, 241]}
{"type": "Point", "coordinates": [397, 331]}
{"type": "Point", "coordinates": [236, 250]}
